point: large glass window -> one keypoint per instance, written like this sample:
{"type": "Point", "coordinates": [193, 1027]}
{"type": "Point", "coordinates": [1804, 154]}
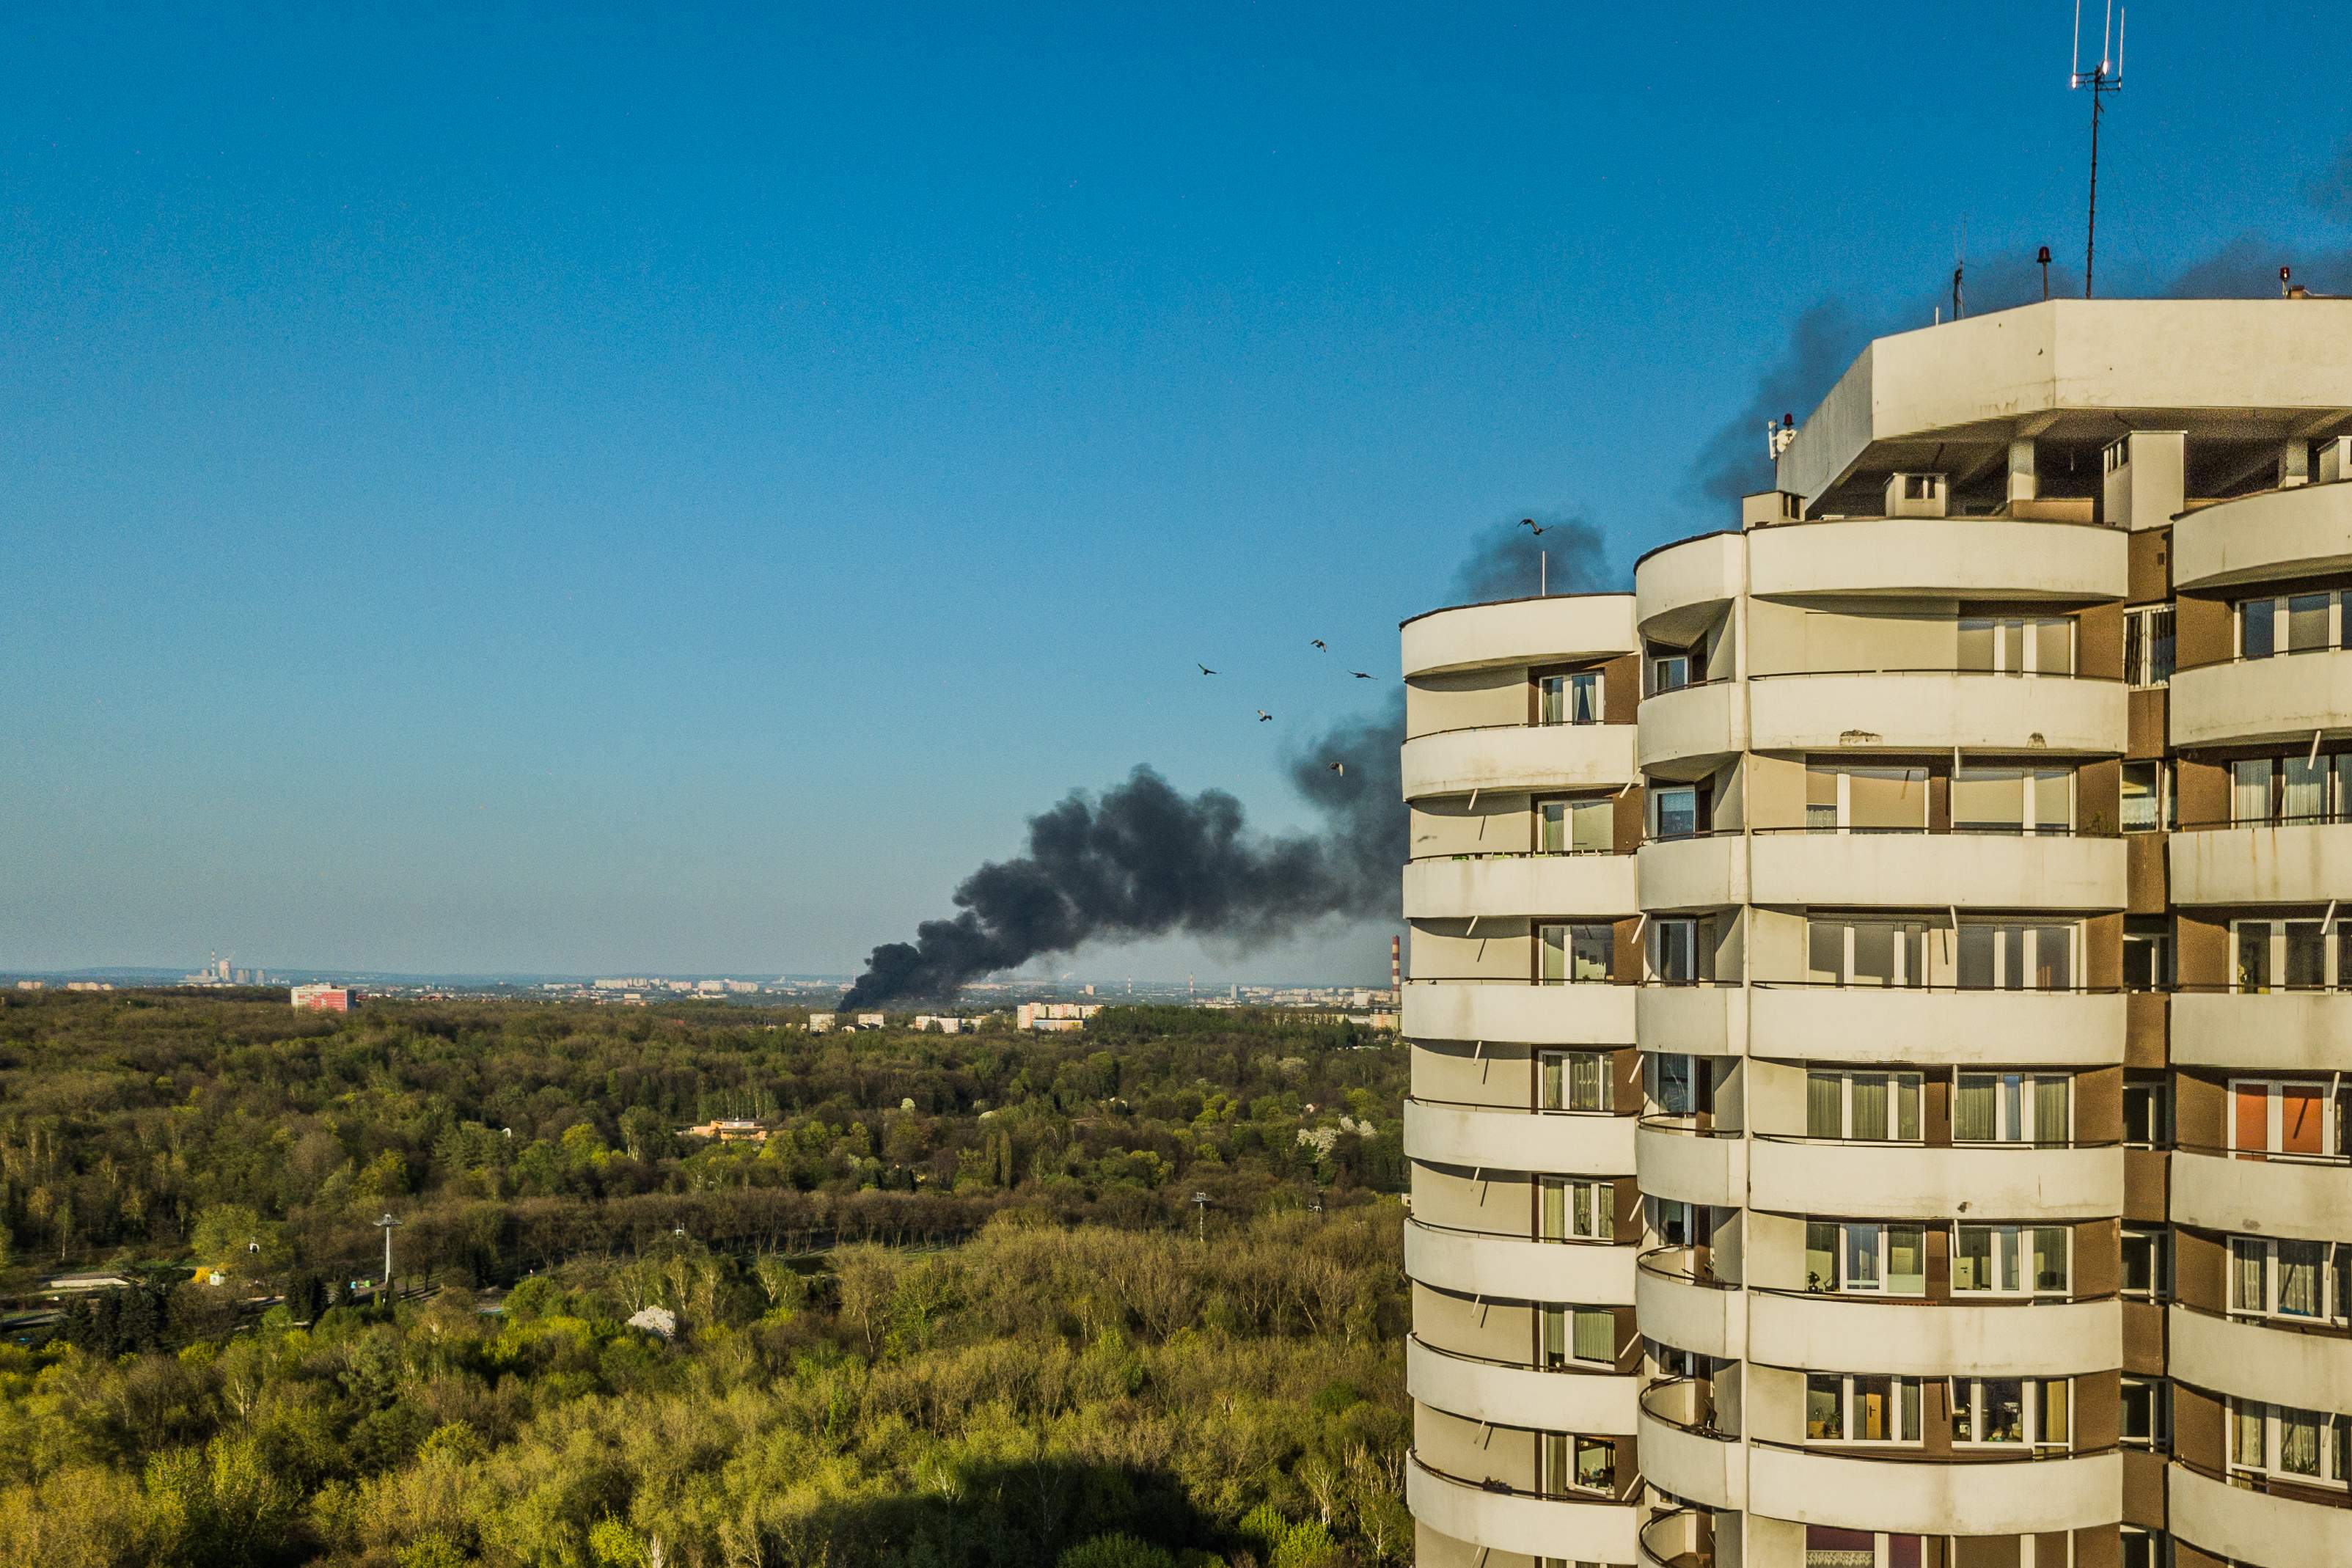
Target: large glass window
{"type": "Point", "coordinates": [2018, 645]}
{"type": "Point", "coordinates": [1848, 1408]}
{"type": "Point", "coordinates": [2006, 956]}
{"type": "Point", "coordinates": [1875, 1107]}
{"type": "Point", "coordinates": [2012, 1107]}
{"type": "Point", "coordinates": [1572, 1080]}
{"type": "Point", "coordinates": [2147, 646]}
{"type": "Point", "coordinates": [2013, 800]}
{"type": "Point", "coordinates": [2290, 955]}
{"type": "Point", "coordinates": [1675, 1082]}
{"type": "Point", "coordinates": [1577, 824]}
{"type": "Point", "coordinates": [2022, 1411]}
{"type": "Point", "coordinates": [2147, 1262]}
{"type": "Point", "coordinates": [1573, 699]}
{"type": "Point", "coordinates": [2146, 1412]}
{"type": "Point", "coordinates": [1678, 811]}
{"type": "Point", "coordinates": [1572, 1335]}
{"type": "Point", "coordinates": [1865, 1257]}
{"type": "Point", "coordinates": [2300, 787]}
{"type": "Point", "coordinates": [1868, 800]}
{"type": "Point", "coordinates": [2281, 1116]}
{"type": "Point", "coordinates": [2302, 1280]}
{"type": "Point", "coordinates": [1682, 949]}
{"type": "Point", "coordinates": [1575, 1208]}
{"type": "Point", "coordinates": [2148, 803]}
{"type": "Point", "coordinates": [2011, 1259]}
{"type": "Point", "coordinates": [1577, 953]}
{"type": "Point", "coordinates": [1573, 1464]}
{"type": "Point", "coordinates": [1841, 951]}
{"type": "Point", "coordinates": [2289, 623]}
{"type": "Point", "coordinates": [2307, 1447]}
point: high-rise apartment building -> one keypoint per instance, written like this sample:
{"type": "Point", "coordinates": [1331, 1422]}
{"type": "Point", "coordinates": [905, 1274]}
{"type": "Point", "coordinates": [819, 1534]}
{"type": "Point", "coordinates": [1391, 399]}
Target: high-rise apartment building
{"type": "Point", "coordinates": [1879, 994]}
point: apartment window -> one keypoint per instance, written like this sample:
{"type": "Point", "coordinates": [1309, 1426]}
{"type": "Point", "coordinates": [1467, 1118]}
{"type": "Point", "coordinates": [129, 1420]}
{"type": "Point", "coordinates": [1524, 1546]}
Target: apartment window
{"type": "Point", "coordinates": [1834, 1546]}
{"type": "Point", "coordinates": [2009, 955]}
{"type": "Point", "coordinates": [1865, 952]}
{"type": "Point", "coordinates": [2148, 1112]}
{"type": "Point", "coordinates": [1670, 667]}
{"type": "Point", "coordinates": [1578, 953]}
{"type": "Point", "coordinates": [1679, 810]}
{"type": "Point", "coordinates": [2301, 1445]}
{"type": "Point", "coordinates": [1573, 1335]}
{"type": "Point", "coordinates": [2018, 645]}
{"type": "Point", "coordinates": [2013, 800]}
{"type": "Point", "coordinates": [2144, 1548]}
{"type": "Point", "coordinates": [1678, 1083]}
{"type": "Point", "coordinates": [2302, 1280]}
{"type": "Point", "coordinates": [1861, 1409]}
{"type": "Point", "coordinates": [1865, 800]}
{"type": "Point", "coordinates": [2147, 800]}
{"type": "Point", "coordinates": [2012, 1107]}
{"type": "Point", "coordinates": [2289, 623]}
{"type": "Point", "coordinates": [1572, 698]}
{"type": "Point", "coordinates": [2281, 1116]}
{"type": "Point", "coordinates": [1871, 1107]}
{"type": "Point", "coordinates": [1672, 1360]}
{"type": "Point", "coordinates": [2285, 955]}
{"type": "Point", "coordinates": [1572, 1080]}
{"type": "Point", "coordinates": [1577, 1208]}
{"type": "Point", "coordinates": [1865, 1257]}
{"type": "Point", "coordinates": [1576, 1464]}
{"type": "Point", "coordinates": [2011, 1259]}
{"type": "Point", "coordinates": [1682, 950]}
{"type": "Point", "coordinates": [2023, 1411]}
{"type": "Point", "coordinates": [2302, 786]}
{"type": "Point", "coordinates": [1678, 1223]}
{"type": "Point", "coordinates": [2147, 953]}
{"type": "Point", "coordinates": [2147, 646]}
{"type": "Point", "coordinates": [1578, 825]}
{"type": "Point", "coordinates": [2146, 1419]}
{"type": "Point", "coordinates": [2147, 1262]}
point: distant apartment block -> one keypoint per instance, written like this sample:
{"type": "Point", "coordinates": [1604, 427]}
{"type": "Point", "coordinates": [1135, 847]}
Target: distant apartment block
{"type": "Point", "coordinates": [1879, 998]}
{"type": "Point", "coordinates": [1055, 1018]}
{"type": "Point", "coordinates": [326, 998]}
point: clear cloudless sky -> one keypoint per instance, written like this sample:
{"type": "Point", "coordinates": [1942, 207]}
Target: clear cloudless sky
{"type": "Point", "coordinates": [594, 488]}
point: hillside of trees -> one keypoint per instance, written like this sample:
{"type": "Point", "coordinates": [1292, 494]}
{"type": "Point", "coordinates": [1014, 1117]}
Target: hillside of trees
{"type": "Point", "coordinates": [960, 1308]}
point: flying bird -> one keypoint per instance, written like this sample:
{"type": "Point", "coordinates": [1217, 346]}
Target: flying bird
{"type": "Point", "coordinates": [1264, 717]}
{"type": "Point", "coordinates": [1530, 522]}
{"type": "Point", "coordinates": [1337, 767]}
{"type": "Point", "coordinates": [1204, 669]}
{"type": "Point", "coordinates": [1359, 675]}
{"type": "Point", "coordinates": [1318, 643]}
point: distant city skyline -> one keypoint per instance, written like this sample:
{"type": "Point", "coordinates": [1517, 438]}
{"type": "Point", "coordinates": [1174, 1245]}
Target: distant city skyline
{"type": "Point", "coordinates": [680, 490]}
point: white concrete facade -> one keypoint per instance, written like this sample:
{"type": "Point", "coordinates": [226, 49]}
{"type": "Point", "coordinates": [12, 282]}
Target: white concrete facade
{"type": "Point", "coordinates": [1925, 1099]}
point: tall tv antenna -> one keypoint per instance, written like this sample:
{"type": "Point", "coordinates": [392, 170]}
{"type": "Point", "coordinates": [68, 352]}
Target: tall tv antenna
{"type": "Point", "coordinates": [2103, 78]}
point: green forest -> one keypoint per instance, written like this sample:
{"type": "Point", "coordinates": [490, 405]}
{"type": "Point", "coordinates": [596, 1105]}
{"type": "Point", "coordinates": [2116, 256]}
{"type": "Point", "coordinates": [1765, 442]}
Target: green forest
{"type": "Point", "coordinates": [1126, 1298]}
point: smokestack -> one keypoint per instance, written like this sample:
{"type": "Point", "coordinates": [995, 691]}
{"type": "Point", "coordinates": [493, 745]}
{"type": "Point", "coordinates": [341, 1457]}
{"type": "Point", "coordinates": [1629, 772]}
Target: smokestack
{"type": "Point", "coordinates": [1396, 970]}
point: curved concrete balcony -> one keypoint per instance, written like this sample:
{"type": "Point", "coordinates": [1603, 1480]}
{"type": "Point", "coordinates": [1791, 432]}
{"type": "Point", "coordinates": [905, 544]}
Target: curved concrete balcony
{"type": "Point", "coordinates": [1681, 1456]}
{"type": "Point", "coordinates": [1514, 1268]}
{"type": "Point", "coordinates": [1515, 632]}
{"type": "Point", "coordinates": [1560, 1141]}
{"type": "Point", "coordinates": [2302, 532]}
{"type": "Point", "coordinates": [2250, 701]}
{"type": "Point", "coordinates": [1705, 871]}
{"type": "Point", "coordinates": [1912, 1181]}
{"type": "Point", "coordinates": [1708, 1020]}
{"type": "Point", "coordinates": [1679, 1308]}
{"type": "Point", "coordinates": [1934, 711]}
{"type": "Point", "coordinates": [1939, 558]}
{"type": "Point", "coordinates": [1925, 1497]}
{"type": "Point", "coordinates": [1683, 1538]}
{"type": "Point", "coordinates": [1936, 1027]}
{"type": "Point", "coordinates": [1496, 886]}
{"type": "Point", "coordinates": [1692, 724]}
{"type": "Point", "coordinates": [2240, 1525]}
{"type": "Point", "coordinates": [2307, 1200]}
{"type": "Point", "coordinates": [1920, 1338]}
{"type": "Point", "coordinates": [1519, 1395]}
{"type": "Point", "coordinates": [1963, 870]}
{"type": "Point", "coordinates": [1518, 757]}
{"type": "Point", "coordinates": [1679, 1162]}
{"type": "Point", "coordinates": [1677, 588]}
{"type": "Point", "coordinates": [2278, 1031]}
{"type": "Point", "coordinates": [1515, 1522]}
{"type": "Point", "coordinates": [1580, 1014]}
{"type": "Point", "coordinates": [2293, 863]}
{"type": "Point", "coordinates": [2260, 1358]}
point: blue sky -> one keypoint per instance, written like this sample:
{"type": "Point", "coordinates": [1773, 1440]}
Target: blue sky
{"type": "Point", "coordinates": [603, 488]}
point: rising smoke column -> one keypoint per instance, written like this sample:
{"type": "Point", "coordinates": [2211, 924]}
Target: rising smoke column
{"type": "Point", "coordinates": [1143, 859]}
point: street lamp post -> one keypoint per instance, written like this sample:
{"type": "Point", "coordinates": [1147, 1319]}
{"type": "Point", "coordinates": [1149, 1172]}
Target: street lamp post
{"type": "Point", "coordinates": [386, 1224]}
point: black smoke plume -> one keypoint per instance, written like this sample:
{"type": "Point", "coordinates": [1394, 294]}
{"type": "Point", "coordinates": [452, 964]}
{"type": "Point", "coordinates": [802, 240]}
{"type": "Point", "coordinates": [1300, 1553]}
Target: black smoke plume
{"type": "Point", "coordinates": [1143, 859]}
{"type": "Point", "coordinates": [1822, 341]}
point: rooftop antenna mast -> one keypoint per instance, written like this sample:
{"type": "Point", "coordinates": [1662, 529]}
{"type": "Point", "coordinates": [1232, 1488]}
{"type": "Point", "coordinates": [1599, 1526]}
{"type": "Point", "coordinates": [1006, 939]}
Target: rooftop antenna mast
{"type": "Point", "coordinates": [2103, 78]}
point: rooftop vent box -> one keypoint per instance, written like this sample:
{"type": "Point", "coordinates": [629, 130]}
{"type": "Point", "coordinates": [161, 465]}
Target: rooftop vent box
{"type": "Point", "coordinates": [1770, 507]}
{"type": "Point", "coordinates": [1916, 494]}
